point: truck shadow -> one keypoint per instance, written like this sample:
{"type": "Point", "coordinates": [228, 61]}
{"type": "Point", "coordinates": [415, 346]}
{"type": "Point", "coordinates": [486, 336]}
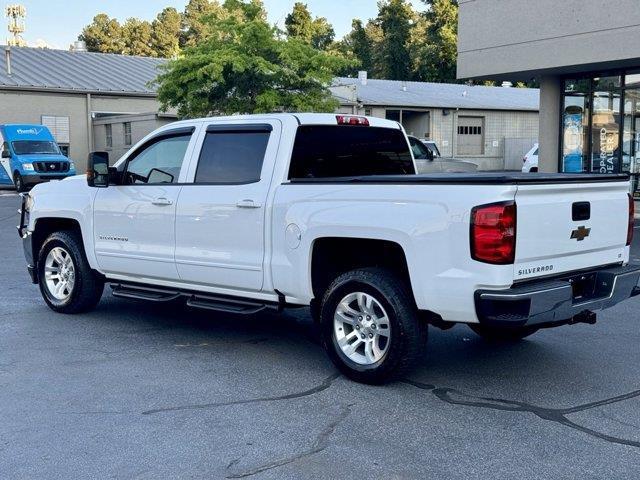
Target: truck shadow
{"type": "Point", "coordinates": [457, 364]}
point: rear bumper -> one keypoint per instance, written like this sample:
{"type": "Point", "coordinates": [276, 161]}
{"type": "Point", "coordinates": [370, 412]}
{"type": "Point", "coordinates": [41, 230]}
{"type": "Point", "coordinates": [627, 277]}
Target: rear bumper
{"type": "Point", "coordinates": [559, 301]}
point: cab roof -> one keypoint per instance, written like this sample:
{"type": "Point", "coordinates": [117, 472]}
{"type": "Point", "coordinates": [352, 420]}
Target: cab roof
{"type": "Point", "coordinates": [301, 118]}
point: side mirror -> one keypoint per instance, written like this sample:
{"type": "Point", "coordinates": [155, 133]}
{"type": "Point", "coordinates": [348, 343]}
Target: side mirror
{"type": "Point", "coordinates": [98, 170]}
{"type": "Point", "coordinates": [6, 154]}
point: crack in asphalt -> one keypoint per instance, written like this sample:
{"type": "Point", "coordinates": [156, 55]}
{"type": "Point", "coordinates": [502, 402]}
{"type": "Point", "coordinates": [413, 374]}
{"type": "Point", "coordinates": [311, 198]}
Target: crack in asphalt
{"type": "Point", "coordinates": [324, 385]}
{"type": "Point", "coordinates": [320, 444]}
{"type": "Point", "coordinates": [557, 415]}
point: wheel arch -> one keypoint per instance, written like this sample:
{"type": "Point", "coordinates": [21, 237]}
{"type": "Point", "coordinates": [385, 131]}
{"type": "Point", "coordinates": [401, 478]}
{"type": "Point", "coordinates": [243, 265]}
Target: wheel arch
{"type": "Point", "coordinates": [45, 226]}
{"type": "Point", "coordinates": [333, 256]}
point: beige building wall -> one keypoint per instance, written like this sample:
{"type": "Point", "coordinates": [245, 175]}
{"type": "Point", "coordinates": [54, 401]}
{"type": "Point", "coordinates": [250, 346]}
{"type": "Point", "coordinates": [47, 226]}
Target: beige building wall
{"type": "Point", "coordinates": [498, 126]}
{"type": "Point", "coordinates": [18, 107]}
{"type": "Point", "coordinates": [29, 107]}
{"type": "Point", "coordinates": [141, 126]}
{"type": "Point", "coordinates": [520, 39]}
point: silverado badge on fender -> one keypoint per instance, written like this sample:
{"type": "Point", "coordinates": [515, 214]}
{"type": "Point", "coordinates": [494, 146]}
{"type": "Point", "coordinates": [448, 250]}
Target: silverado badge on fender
{"type": "Point", "coordinates": [580, 233]}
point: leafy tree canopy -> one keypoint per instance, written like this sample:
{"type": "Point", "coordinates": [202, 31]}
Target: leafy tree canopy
{"type": "Point", "coordinates": [436, 48]}
{"type": "Point", "coordinates": [300, 24]}
{"type": "Point", "coordinates": [137, 38]}
{"type": "Point", "coordinates": [166, 30]}
{"type": "Point", "coordinates": [247, 67]}
{"type": "Point", "coordinates": [103, 35]}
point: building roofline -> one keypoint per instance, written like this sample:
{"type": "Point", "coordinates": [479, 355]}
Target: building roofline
{"type": "Point", "coordinates": [423, 107]}
{"type": "Point", "coordinates": [77, 91]}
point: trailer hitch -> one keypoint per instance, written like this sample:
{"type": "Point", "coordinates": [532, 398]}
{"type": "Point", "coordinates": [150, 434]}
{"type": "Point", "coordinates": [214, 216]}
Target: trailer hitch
{"type": "Point", "coordinates": [586, 316]}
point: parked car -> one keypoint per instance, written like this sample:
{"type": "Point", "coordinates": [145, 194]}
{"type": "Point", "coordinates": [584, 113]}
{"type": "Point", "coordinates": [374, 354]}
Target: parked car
{"type": "Point", "coordinates": [247, 213]}
{"type": "Point", "coordinates": [428, 159]}
{"type": "Point", "coordinates": [530, 160]}
{"type": "Point", "coordinates": [30, 155]}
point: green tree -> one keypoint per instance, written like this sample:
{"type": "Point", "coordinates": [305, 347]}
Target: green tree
{"type": "Point", "coordinates": [246, 67]}
{"type": "Point", "coordinates": [103, 34]}
{"type": "Point", "coordinates": [299, 23]}
{"type": "Point", "coordinates": [136, 35]}
{"type": "Point", "coordinates": [361, 45]}
{"type": "Point", "coordinates": [395, 19]}
{"type": "Point", "coordinates": [317, 32]}
{"type": "Point", "coordinates": [194, 25]}
{"type": "Point", "coordinates": [166, 29]}
{"type": "Point", "coordinates": [435, 57]}
{"type": "Point", "coordinates": [323, 34]}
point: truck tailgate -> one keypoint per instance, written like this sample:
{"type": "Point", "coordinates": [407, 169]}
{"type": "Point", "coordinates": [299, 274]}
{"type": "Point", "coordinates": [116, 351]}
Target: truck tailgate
{"type": "Point", "coordinates": [562, 227]}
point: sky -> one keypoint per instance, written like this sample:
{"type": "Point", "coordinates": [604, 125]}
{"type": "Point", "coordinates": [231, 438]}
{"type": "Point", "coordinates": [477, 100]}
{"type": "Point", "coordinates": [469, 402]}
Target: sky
{"type": "Point", "coordinates": [57, 23]}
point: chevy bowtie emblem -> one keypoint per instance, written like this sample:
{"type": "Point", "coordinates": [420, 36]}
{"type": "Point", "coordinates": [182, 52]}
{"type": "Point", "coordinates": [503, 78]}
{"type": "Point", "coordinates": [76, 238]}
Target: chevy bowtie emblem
{"type": "Point", "coordinates": [580, 233]}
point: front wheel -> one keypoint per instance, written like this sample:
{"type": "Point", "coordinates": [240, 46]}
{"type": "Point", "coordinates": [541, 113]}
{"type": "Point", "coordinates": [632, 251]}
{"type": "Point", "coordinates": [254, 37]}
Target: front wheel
{"type": "Point", "coordinates": [67, 282]}
{"type": "Point", "coordinates": [19, 182]}
{"type": "Point", "coordinates": [502, 334]}
{"type": "Point", "coordinates": [370, 326]}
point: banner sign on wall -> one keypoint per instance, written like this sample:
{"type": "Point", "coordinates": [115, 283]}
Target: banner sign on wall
{"type": "Point", "coordinates": [572, 129]}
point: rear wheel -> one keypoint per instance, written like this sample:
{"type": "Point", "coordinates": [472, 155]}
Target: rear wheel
{"type": "Point", "coordinates": [370, 326]}
{"type": "Point", "coordinates": [67, 282]}
{"type": "Point", "coordinates": [502, 334]}
{"type": "Point", "coordinates": [18, 182]}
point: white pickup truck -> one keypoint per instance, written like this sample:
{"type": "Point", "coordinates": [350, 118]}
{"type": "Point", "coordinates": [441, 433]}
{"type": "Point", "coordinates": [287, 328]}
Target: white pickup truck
{"type": "Point", "coordinates": [245, 213]}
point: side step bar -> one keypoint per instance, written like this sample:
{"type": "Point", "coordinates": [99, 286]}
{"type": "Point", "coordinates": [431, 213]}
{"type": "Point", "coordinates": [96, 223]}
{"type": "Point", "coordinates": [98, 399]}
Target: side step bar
{"type": "Point", "coordinates": [219, 303]}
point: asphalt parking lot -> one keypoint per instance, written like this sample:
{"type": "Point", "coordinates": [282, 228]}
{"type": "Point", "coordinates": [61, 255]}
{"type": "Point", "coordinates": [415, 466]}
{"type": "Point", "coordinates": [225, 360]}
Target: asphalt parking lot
{"type": "Point", "coordinates": [134, 390]}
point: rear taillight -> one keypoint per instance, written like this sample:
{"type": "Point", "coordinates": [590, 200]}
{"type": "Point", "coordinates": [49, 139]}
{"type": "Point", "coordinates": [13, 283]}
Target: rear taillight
{"type": "Point", "coordinates": [632, 214]}
{"type": "Point", "coordinates": [493, 233]}
{"type": "Point", "coordinates": [351, 120]}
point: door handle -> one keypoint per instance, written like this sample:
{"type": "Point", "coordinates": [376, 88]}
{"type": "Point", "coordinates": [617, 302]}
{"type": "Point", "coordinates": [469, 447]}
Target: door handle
{"type": "Point", "coordinates": [248, 204]}
{"type": "Point", "coordinates": [162, 202]}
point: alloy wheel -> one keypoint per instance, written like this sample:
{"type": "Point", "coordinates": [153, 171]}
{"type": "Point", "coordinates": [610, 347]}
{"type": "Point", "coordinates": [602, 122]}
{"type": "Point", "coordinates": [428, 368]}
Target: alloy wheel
{"type": "Point", "coordinates": [361, 328]}
{"type": "Point", "coordinates": [59, 273]}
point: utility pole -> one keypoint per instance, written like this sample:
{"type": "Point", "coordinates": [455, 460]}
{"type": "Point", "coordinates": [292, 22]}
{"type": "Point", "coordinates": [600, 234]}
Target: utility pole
{"type": "Point", "coordinates": [16, 15]}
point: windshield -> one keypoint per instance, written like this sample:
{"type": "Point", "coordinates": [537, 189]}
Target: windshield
{"type": "Point", "coordinates": [420, 150]}
{"type": "Point", "coordinates": [33, 147]}
{"type": "Point", "coordinates": [433, 148]}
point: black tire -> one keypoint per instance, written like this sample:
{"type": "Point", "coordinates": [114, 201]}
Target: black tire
{"type": "Point", "coordinates": [88, 286]}
{"type": "Point", "coordinates": [502, 334]}
{"type": "Point", "coordinates": [19, 182]}
{"type": "Point", "coordinates": [534, 170]}
{"type": "Point", "coordinates": [408, 337]}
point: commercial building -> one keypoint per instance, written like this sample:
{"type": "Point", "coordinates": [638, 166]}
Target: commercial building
{"type": "Point", "coordinates": [491, 126]}
{"type": "Point", "coordinates": [67, 91]}
{"type": "Point", "coordinates": [586, 57]}
{"type": "Point", "coordinates": [94, 101]}
{"type": "Point", "coordinates": [116, 134]}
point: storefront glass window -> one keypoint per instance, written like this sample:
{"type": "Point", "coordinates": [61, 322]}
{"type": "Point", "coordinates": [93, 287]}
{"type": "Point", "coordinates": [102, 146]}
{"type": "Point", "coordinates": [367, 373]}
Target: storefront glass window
{"type": "Point", "coordinates": [632, 80]}
{"type": "Point", "coordinates": [631, 133]}
{"type": "Point", "coordinates": [601, 124]}
{"type": "Point", "coordinates": [577, 85]}
{"type": "Point", "coordinates": [606, 83]}
{"type": "Point", "coordinates": [605, 133]}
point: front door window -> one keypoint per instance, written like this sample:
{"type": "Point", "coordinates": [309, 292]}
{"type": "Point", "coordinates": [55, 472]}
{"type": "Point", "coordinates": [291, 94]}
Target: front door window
{"type": "Point", "coordinates": [158, 162]}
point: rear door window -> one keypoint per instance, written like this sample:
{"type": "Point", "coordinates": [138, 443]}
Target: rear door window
{"type": "Point", "coordinates": [324, 151]}
{"type": "Point", "coordinates": [233, 155]}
